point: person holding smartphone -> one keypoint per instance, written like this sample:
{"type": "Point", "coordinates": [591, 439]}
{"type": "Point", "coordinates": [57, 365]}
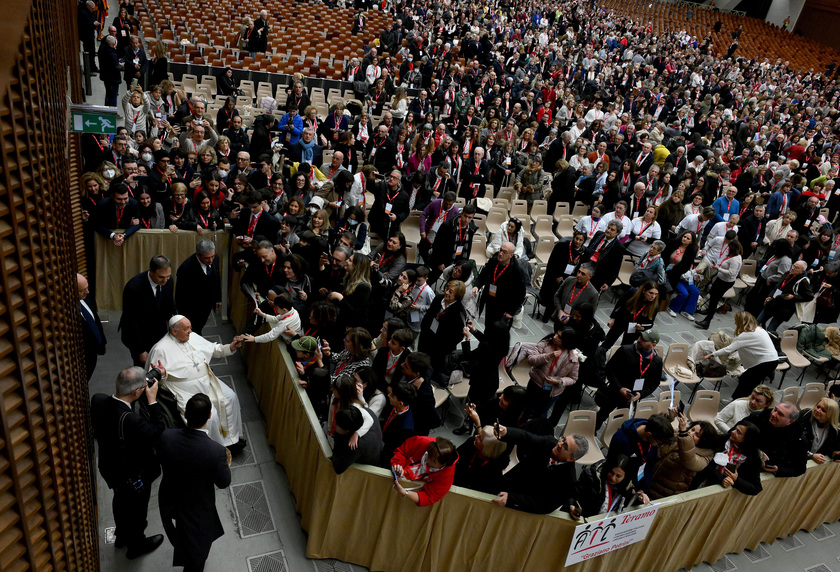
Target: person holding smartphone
{"type": "Point", "coordinates": [682, 457]}
{"type": "Point", "coordinates": [738, 462]}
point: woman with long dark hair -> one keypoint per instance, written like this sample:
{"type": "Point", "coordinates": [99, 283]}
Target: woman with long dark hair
{"type": "Point", "coordinates": [554, 367]}
{"type": "Point", "coordinates": [634, 313]}
{"type": "Point", "coordinates": [741, 468]}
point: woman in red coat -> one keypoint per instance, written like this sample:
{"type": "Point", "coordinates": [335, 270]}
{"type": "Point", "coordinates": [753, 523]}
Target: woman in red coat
{"type": "Point", "coordinates": [428, 459]}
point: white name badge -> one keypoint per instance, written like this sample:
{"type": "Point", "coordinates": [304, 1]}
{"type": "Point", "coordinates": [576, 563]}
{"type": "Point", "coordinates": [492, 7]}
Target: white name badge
{"type": "Point", "coordinates": [567, 309]}
{"type": "Point", "coordinates": [777, 293]}
{"type": "Point", "coordinates": [493, 290]}
{"type": "Point", "coordinates": [807, 223]}
{"type": "Point", "coordinates": [388, 207]}
{"type": "Point", "coordinates": [725, 216]}
{"type": "Point", "coordinates": [641, 474]}
{"type": "Point", "coordinates": [832, 254]}
{"type": "Point", "coordinates": [635, 214]}
{"type": "Point", "coordinates": [459, 250]}
{"type": "Point", "coordinates": [434, 326]}
{"type": "Point", "coordinates": [638, 384]}
{"type": "Point", "coordinates": [436, 226]}
{"type": "Point", "coordinates": [372, 152]}
{"type": "Point", "coordinates": [123, 32]}
{"type": "Point", "coordinates": [631, 327]}
{"type": "Point", "coordinates": [414, 315]}
{"type": "Point", "coordinates": [570, 268]}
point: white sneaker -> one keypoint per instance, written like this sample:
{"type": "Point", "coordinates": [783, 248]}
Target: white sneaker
{"type": "Point", "coordinates": [672, 313]}
{"type": "Point", "coordinates": [687, 316]}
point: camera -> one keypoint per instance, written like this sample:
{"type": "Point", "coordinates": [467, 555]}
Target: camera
{"type": "Point", "coordinates": [152, 376]}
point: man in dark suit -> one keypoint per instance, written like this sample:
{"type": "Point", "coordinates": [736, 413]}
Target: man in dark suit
{"type": "Point", "coordinates": [199, 285]}
{"type": "Point", "coordinates": [92, 333]}
{"type": "Point", "coordinates": [475, 175]}
{"type": "Point", "coordinates": [644, 159]}
{"type": "Point", "coordinates": [127, 459]}
{"type": "Point", "coordinates": [381, 151]}
{"type": "Point", "coordinates": [388, 363]}
{"type": "Point", "coordinates": [545, 478]}
{"type": "Point", "coordinates": [390, 205]}
{"type": "Point", "coordinates": [751, 230]}
{"type": "Point", "coordinates": [115, 212]}
{"type": "Point", "coordinates": [502, 286]}
{"type": "Point", "coordinates": [633, 372]}
{"type": "Point", "coordinates": [254, 221]}
{"type": "Point", "coordinates": [136, 62]}
{"type": "Point", "coordinates": [399, 423]}
{"type": "Point", "coordinates": [192, 464]}
{"type": "Point", "coordinates": [110, 66]}
{"type": "Point", "coordinates": [147, 306]}
{"type": "Point", "coordinates": [605, 252]}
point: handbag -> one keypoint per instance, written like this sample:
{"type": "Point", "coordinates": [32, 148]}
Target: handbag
{"type": "Point", "coordinates": [805, 311]}
{"type": "Point", "coordinates": [641, 276]}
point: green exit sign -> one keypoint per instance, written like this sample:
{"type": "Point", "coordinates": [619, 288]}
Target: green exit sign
{"type": "Point", "coordinates": [93, 119]}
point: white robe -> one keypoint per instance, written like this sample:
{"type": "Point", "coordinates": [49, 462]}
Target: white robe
{"type": "Point", "coordinates": [188, 372]}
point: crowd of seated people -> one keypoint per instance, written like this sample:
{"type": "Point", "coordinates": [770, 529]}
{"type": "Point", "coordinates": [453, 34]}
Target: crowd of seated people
{"type": "Point", "coordinates": [687, 162]}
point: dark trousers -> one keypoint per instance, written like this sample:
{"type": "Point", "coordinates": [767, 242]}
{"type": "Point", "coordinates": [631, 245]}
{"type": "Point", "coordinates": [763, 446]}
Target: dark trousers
{"type": "Point", "coordinates": [716, 292]}
{"type": "Point", "coordinates": [184, 552]}
{"type": "Point", "coordinates": [754, 376]}
{"type": "Point", "coordinates": [197, 317]}
{"type": "Point", "coordinates": [112, 89]}
{"type": "Point", "coordinates": [537, 401]}
{"type": "Point", "coordinates": [130, 508]}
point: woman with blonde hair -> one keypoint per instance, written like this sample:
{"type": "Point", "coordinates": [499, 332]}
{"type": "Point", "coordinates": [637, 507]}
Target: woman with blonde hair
{"type": "Point", "coordinates": [821, 427]}
{"type": "Point", "coordinates": [399, 107]}
{"type": "Point", "coordinates": [757, 352]}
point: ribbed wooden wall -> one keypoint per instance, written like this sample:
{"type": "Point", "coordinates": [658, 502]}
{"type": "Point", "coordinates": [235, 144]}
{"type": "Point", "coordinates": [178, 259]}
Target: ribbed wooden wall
{"type": "Point", "coordinates": [47, 513]}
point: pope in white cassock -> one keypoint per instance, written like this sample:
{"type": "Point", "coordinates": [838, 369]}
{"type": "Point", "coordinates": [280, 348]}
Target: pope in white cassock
{"type": "Point", "coordinates": [187, 356]}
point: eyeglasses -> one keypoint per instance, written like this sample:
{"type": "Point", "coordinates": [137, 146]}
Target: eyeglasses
{"type": "Point", "coordinates": [179, 195]}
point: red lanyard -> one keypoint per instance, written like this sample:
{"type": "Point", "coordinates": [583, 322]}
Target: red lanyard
{"type": "Point", "coordinates": [462, 236]}
{"type": "Point", "coordinates": [383, 260]}
{"type": "Point", "coordinates": [390, 198]}
{"type": "Point", "coordinates": [678, 253]}
{"type": "Point", "coordinates": [120, 214]}
{"type": "Point", "coordinates": [310, 331]}
{"type": "Point", "coordinates": [625, 179]}
{"type": "Point", "coordinates": [642, 371]}
{"type": "Point", "coordinates": [786, 281]}
{"type": "Point", "coordinates": [743, 209]}
{"type": "Point", "coordinates": [636, 315]}
{"type": "Point", "coordinates": [268, 270]}
{"type": "Point", "coordinates": [576, 294]}
{"type": "Point", "coordinates": [644, 228]}
{"type": "Point", "coordinates": [146, 224]}
{"type": "Point", "coordinates": [642, 451]}
{"type": "Point", "coordinates": [206, 221]}
{"type": "Point", "coordinates": [648, 260]}
{"type": "Point", "coordinates": [418, 294]}
{"type": "Point", "coordinates": [497, 276]}
{"type": "Point", "coordinates": [253, 224]}
{"type": "Point", "coordinates": [553, 363]}
{"type": "Point", "coordinates": [390, 369]}
{"type": "Point", "coordinates": [728, 205]}
{"type": "Point", "coordinates": [593, 226]}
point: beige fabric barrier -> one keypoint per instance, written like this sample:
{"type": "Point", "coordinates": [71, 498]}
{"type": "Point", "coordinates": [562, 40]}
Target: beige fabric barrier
{"type": "Point", "coordinates": [358, 518]}
{"type": "Point", "coordinates": [116, 265]}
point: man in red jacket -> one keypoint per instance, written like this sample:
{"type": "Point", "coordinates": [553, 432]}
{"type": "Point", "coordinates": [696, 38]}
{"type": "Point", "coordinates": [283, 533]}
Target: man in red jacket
{"type": "Point", "coordinates": [428, 459]}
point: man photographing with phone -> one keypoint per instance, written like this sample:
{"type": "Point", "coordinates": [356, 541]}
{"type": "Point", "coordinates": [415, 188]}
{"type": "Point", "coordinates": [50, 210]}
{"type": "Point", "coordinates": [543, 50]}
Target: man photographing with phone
{"type": "Point", "coordinates": [545, 479]}
{"type": "Point", "coordinates": [127, 460]}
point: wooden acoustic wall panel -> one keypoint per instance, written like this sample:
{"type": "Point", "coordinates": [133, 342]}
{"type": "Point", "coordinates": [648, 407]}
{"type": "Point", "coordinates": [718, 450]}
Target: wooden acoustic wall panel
{"type": "Point", "coordinates": [47, 516]}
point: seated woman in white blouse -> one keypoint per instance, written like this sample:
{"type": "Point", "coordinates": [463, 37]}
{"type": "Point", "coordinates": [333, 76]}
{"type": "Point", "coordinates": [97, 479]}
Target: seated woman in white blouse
{"type": "Point", "coordinates": [589, 224]}
{"type": "Point", "coordinates": [643, 231]}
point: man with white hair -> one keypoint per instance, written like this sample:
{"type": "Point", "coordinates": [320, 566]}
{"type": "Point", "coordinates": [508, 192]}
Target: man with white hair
{"type": "Point", "coordinates": [110, 69]}
{"type": "Point", "coordinates": [475, 175]}
{"type": "Point", "coordinates": [187, 356]}
{"type": "Point", "coordinates": [261, 29]}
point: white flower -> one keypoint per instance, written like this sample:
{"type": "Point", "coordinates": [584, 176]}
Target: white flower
{"type": "Point", "coordinates": [581, 358]}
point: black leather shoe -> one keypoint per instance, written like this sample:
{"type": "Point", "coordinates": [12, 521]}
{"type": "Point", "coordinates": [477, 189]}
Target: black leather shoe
{"type": "Point", "coordinates": [704, 324]}
{"type": "Point", "coordinates": [462, 430]}
{"type": "Point", "coordinates": [148, 544]}
{"type": "Point", "coordinates": [237, 447]}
